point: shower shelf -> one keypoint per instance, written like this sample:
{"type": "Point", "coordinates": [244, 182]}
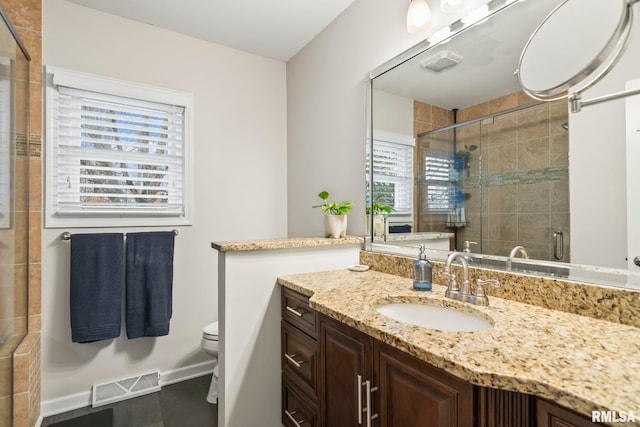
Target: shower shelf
{"type": "Point", "coordinates": [457, 224]}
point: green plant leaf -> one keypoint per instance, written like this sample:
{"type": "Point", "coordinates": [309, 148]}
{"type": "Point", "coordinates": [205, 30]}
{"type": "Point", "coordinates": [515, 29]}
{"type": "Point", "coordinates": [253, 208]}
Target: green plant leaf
{"type": "Point", "coordinates": [333, 208]}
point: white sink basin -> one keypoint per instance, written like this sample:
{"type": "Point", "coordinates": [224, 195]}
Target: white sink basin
{"type": "Point", "coordinates": [433, 317]}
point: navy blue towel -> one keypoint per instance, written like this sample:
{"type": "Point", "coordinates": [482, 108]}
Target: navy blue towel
{"type": "Point", "coordinates": [149, 273]}
{"type": "Point", "coordinates": [97, 275]}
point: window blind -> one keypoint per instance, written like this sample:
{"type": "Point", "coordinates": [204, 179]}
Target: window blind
{"type": "Point", "coordinates": [393, 175]}
{"type": "Point", "coordinates": [439, 177]}
{"type": "Point", "coordinates": [117, 156]}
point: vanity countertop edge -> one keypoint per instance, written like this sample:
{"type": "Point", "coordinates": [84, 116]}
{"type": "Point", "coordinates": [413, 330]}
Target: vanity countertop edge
{"type": "Point", "coordinates": [581, 363]}
{"type": "Point", "coordinates": [284, 243]}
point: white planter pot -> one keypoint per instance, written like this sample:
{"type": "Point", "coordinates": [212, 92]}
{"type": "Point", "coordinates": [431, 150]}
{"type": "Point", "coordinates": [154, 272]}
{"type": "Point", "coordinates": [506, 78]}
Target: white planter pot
{"type": "Point", "coordinates": [335, 226]}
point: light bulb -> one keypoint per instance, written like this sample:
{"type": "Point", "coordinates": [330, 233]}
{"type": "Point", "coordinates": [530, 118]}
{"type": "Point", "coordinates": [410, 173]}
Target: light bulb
{"type": "Point", "coordinates": [418, 17]}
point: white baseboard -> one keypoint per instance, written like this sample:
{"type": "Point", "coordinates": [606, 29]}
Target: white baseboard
{"type": "Point", "coordinates": [186, 373]}
{"type": "Point", "coordinates": [80, 400]}
{"type": "Point", "coordinates": [65, 403]}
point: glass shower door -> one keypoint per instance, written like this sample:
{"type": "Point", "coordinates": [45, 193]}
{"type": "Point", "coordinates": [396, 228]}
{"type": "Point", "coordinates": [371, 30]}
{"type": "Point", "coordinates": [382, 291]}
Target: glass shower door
{"type": "Point", "coordinates": [14, 209]}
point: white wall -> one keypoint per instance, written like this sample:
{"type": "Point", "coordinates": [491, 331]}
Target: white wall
{"type": "Point", "coordinates": [597, 165]}
{"type": "Point", "coordinates": [250, 325]}
{"type": "Point", "coordinates": [326, 94]}
{"type": "Point", "coordinates": [240, 182]}
{"type": "Point", "coordinates": [392, 113]}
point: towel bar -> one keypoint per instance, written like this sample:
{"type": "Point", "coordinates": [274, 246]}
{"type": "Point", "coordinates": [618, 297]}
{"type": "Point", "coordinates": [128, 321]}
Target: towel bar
{"type": "Point", "coordinates": [67, 236]}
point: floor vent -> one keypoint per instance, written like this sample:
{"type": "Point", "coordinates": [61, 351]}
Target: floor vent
{"type": "Point", "coordinates": [126, 388]}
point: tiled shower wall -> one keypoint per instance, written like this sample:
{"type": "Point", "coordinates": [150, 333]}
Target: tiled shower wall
{"type": "Point", "coordinates": [525, 187]}
{"type": "Point", "coordinates": [26, 17]}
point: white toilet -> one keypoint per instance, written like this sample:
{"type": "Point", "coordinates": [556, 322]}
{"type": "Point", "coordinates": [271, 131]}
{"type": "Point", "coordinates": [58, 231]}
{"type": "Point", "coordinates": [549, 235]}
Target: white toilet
{"type": "Point", "coordinates": [209, 344]}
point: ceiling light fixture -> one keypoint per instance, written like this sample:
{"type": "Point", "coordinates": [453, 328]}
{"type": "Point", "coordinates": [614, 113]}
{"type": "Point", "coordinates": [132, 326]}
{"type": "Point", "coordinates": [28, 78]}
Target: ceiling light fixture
{"type": "Point", "coordinates": [418, 17]}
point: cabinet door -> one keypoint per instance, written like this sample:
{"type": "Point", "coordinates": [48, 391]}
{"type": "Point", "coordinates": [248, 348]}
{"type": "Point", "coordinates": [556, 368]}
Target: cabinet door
{"type": "Point", "coordinates": [412, 393]}
{"type": "Point", "coordinates": [345, 354]}
{"type": "Point", "coordinates": [551, 415]}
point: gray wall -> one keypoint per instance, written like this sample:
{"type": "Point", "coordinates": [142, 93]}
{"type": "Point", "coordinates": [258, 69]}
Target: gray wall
{"type": "Point", "coordinates": [326, 106]}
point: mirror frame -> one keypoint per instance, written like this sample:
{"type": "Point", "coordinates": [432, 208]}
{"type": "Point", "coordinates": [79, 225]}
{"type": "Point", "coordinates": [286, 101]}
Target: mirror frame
{"type": "Point", "coordinates": [588, 274]}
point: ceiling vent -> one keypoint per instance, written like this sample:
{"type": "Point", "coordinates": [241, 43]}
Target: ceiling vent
{"type": "Point", "coordinates": [441, 61]}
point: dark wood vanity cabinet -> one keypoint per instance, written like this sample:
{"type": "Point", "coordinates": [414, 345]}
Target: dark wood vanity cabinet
{"type": "Point", "coordinates": [364, 382]}
{"type": "Point", "coordinates": [299, 354]}
{"type": "Point", "coordinates": [333, 375]}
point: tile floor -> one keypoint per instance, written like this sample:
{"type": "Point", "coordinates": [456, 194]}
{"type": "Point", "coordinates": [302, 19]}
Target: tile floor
{"type": "Point", "coordinates": [177, 405]}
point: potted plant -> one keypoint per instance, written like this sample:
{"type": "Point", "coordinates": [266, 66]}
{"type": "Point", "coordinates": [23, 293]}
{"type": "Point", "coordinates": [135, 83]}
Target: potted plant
{"type": "Point", "coordinates": [335, 219]}
{"type": "Point", "coordinates": [380, 214]}
{"type": "Point", "coordinates": [461, 159]}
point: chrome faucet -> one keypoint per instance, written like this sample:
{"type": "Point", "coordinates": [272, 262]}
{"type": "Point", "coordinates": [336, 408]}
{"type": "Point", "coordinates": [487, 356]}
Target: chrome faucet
{"type": "Point", "coordinates": [517, 249]}
{"type": "Point", "coordinates": [453, 290]}
{"type": "Point", "coordinates": [463, 292]}
{"type": "Point", "coordinates": [513, 254]}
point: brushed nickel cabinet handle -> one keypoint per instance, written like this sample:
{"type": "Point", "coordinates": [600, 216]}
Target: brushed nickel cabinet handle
{"type": "Point", "coordinates": [290, 358]}
{"type": "Point", "coordinates": [297, 312]}
{"type": "Point", "coordinates": [293, 420]}
{"type": "Point", "coordinates": [359, 409]}
{"type": "Point", "coordinates": [369, 391]}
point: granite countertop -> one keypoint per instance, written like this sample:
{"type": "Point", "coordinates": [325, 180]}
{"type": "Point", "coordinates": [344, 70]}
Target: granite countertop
{"type": "Point", "coordinates": [300, 242]}
{"type": "Point", "coordinates": [427, 235]}
{"type": "Point", "coordinates": [576, 361]}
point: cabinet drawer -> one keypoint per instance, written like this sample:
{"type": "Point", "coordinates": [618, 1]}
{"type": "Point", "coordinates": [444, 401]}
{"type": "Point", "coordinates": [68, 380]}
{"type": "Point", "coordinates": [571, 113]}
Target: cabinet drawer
{"type": "Point", "coordinates": [296, 310]}
{"type": "Point", "coordinates": [297, 410]}
{"type": "Point", "coordinates": [300, 358]}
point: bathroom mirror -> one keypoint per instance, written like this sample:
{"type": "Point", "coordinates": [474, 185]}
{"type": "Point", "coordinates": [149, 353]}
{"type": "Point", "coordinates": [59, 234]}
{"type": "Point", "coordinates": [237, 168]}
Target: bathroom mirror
{"type": "Point", "coordinates": [490, 167]}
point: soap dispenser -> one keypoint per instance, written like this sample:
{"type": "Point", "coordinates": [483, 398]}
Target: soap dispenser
{"type": "Point", "coordinates": [422, 272]}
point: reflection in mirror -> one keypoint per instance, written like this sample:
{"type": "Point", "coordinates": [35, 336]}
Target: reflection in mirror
{"type": "Point", "coordinates": [489, 166]}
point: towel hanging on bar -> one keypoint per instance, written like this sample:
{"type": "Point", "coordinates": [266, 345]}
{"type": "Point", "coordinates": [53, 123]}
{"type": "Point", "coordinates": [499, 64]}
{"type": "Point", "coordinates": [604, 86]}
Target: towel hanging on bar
{"type": "Point", "coordinates": [97, 275]}
{"type": "Point", "coordinates": [67, 236]}
{"type": "Point", "coordinates": [149, 279]}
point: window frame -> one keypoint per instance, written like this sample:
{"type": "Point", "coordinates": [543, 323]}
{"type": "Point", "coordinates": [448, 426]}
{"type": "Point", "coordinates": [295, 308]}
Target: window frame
{"type": "Point", "coordinates": [408, 142]}
{"type": "Point", "coordinates": [56, 76]}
